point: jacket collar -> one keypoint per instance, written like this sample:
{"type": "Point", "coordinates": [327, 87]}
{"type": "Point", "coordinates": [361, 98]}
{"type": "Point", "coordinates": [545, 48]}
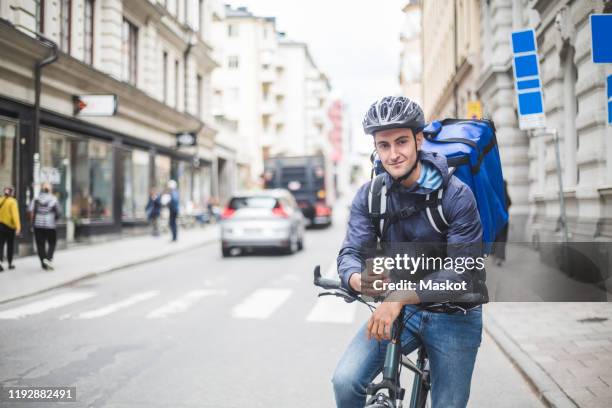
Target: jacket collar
{"type": "Point", "coordinates": [437, 160]}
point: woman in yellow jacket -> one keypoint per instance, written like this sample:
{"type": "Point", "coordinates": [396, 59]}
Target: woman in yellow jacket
{"type": "Point", "coordinates": [9, 226]}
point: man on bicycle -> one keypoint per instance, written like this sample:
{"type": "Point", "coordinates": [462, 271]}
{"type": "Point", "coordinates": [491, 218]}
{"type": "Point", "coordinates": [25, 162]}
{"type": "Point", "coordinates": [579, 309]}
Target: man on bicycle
{"type": "Point", "coordinates": [451, 337]}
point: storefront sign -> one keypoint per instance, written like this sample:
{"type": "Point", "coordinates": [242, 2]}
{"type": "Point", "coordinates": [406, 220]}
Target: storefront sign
{"type": "Point", "coordinates": [95, 105]}
{"type": "Point", "coordinates": [186, 139]}
{"type": "Point", "coordinates": [474, 110]}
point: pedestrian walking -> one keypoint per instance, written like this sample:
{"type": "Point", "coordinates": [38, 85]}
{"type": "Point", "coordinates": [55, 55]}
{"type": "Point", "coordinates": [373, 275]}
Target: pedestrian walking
{"type": "Point", "coordinates": [499, 250]}
{"type": "Point", "coordinates": [10, 226]}
{"type": "Point", "coordinates": [173, 206]}
{"type": "Point", "coordinates": [153, 210]}
{"type": "Point", "coordinates": [44, 212]}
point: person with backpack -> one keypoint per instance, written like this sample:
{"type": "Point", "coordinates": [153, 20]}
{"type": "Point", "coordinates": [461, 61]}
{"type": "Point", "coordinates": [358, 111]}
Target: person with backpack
{"type": "Point", "coordinates": [44, 212]}
{"type": "Point", "coordinates": [418, 187]}
{"type": "Point", "coordinates": [10, 226]}
{"type": "Point", "coordinates": [153, 210]}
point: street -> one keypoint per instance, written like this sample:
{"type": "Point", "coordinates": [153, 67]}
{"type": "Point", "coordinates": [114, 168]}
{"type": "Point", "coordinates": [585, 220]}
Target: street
{"type": "Point", "coordinates": [197, 330]}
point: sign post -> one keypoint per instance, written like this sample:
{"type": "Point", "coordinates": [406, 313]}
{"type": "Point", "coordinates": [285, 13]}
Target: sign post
{"type": "Point", "coordinates": [530, 101]}
{"type": "Point", "coordinates": [609, 94]}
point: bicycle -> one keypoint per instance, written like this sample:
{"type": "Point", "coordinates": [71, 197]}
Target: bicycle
{"type": "Point", "coordinates": [388, 393]}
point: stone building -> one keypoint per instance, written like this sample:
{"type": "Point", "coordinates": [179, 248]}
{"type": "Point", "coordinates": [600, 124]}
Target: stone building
{"type": "Point", "coordinates": [156, 57]}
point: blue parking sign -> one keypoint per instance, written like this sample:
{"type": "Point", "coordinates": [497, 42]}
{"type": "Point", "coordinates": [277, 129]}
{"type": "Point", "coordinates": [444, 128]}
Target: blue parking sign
{"type": "Point", "coordinates": [601, 38]}
{"type": "Point", "coordinates": [527, 82]}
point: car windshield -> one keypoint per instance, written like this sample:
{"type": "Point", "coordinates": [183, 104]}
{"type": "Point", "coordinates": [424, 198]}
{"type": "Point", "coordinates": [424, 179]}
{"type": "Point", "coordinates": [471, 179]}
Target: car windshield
{"type": "Point", "coordinates": [252, 202]}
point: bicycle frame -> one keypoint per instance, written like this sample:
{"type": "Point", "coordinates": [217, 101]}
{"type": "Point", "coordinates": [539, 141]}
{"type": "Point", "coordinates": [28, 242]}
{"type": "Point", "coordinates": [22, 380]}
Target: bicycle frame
{"type": "Point", "coordinates": [394, 358]}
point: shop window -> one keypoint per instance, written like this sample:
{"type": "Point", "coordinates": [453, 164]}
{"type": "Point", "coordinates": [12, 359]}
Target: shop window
{"type": "Point", "coordinates": [55, 167]}
{"type": "Point", "coordinates": [135, 184]}
{"type": "Point", "coordinates": [162, 171]}
{"type": "Point", "coordinates": [184, 179]}
{"type": "Point", "coordinates": [8, 132]}
{"type": "Point", "coordinates": [92, 185]}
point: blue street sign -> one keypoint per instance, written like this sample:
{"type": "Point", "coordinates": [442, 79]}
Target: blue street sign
{"type": "Point", "coordinates": [609, 81]}
{"type": "Point", "coordinates": [527, 83]}
{"type": "Point", "coordinates": [601, 38]}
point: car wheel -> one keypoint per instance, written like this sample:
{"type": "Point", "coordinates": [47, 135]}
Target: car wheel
{"type": "Point", "coordinates": [301, 243]}
{"type": "Point", "coordinates": [226, 252]}
{"type": "Point", "coordinates": [293, 245]}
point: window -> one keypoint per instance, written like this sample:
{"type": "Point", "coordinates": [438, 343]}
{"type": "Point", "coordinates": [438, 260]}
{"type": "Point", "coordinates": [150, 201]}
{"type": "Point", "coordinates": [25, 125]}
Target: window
{"type": "Point", "coordinates": [7, 145]}
{"type": "Point", "coordinates": [162, 171]}
{"type": "Point", "coordinates": [135, 184]}
{"type": "Point", "coordinates": [129, 54]}
{"type": "Point", "coordinates": [55, 166]}
{"type": "Point", "coordinates": [176, 84]}
{"type": "Point", "coordinates": [165, 76]}
{"type": "Point", "coordinates": [88, 32]}
{"type": "Point", "coordinates": [232, 30]}
{"type": "Point", "coordinates": [92, 182]}
{"type": "Point", "coordinates": [65, 18]}
{"type": "Point", "coordinates": [201, 16]}
{"type": "Point", "coordinates": [232, 61]}
{"type": "Point", "coordinates": [39, 15]}
{"type": "Point", "coordinates": [185, 179]}
{"type": "Point", "coordinates": [199, 85]}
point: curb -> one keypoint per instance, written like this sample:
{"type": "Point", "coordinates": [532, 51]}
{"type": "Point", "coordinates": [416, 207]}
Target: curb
{"type": "Point", "coordinates": [89, 275]}
{"type": "Point", "coordinates": [547, 389]}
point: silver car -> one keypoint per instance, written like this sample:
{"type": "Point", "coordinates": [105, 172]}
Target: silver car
{"type": "Point", "coordinates": [262, 219]}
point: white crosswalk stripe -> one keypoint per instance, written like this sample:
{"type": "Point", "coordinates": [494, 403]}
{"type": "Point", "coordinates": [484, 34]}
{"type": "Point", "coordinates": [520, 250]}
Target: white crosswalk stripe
{"type": "Point", "coordinates": [183, 303]}
{"type": "Point", "coordinates": [261, 303]}
{"type": "Point", "coordinates": [114, 307]}
{"type": "Point", "coordinates": [45, 304]}
{"type": "Point", "coordinates": [331, 309]}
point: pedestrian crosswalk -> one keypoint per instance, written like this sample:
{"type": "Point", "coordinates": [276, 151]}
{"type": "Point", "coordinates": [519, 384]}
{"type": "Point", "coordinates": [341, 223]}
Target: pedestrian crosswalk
{"type": "Point", "coordinates": [259, 304]}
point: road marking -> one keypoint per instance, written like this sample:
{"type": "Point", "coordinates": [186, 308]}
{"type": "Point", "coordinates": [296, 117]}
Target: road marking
{"type": "Point", "coordinates": [331, 309]}
{"type": "Point", "coordinates": [46, 304]}
{"type": "Point", "coordinates": [261, 303]}
{"type": "Point", "coordinates": [113, 307]}
{"type": "Point", "coordinates": [183, 303]}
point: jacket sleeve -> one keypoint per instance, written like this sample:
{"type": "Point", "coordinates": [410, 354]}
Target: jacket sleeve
{"type": "Point", "coordinates": [360, 235]}
{"type": "Point", "coordinates": [464, 240]}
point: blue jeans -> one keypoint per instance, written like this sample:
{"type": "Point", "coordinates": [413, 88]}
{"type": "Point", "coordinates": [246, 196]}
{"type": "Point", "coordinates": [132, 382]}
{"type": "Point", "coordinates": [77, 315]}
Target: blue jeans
{"type": "Point", "coordinates": [173, 227]}
{"type": "Point", "coordinates": [451, 342]}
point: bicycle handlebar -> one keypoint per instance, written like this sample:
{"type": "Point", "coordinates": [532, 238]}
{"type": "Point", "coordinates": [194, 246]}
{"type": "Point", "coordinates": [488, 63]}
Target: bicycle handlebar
{"type": "Point", "coordinates": [325, 283]}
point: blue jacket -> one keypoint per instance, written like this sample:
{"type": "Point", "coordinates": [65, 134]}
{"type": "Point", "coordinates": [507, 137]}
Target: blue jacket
{"type": "Point", "coordinates": [459, 209]}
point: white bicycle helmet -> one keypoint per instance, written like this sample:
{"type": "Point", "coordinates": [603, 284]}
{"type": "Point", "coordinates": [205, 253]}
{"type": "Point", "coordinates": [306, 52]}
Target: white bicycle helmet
{"type": "Point", "coordinates": [393, 112]}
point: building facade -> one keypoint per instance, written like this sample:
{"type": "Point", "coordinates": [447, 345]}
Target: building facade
{"type": "Point", "coordinates": [451, 65]}
{"type": "Point", "coordinates": [156, 57]}
{"type": "Point", "coordinates": [411, 54]}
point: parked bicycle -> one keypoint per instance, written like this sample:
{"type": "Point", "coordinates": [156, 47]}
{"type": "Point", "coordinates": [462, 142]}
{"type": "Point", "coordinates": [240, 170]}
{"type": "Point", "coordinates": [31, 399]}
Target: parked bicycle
{"type": "Point", "coordinates": [388, 393]}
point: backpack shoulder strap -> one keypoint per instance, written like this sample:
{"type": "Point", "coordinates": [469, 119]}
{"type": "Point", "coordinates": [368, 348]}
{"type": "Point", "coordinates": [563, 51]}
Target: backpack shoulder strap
{"type": "Point", "coordinates": [377, 203]}
{"type": "Point", "coordinates": [435, 214]}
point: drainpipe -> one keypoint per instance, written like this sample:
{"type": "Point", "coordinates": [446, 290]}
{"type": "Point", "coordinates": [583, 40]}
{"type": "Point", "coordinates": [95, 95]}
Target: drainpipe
{"type": "Point", "coordinates": [35, 145]}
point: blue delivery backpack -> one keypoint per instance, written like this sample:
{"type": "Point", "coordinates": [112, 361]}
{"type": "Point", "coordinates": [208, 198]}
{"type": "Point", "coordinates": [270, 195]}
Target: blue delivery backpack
{"type": "Point", "coordinates": [470, 147]}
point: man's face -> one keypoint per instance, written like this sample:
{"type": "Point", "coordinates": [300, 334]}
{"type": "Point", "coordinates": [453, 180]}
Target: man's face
{"type": "Point", "coordinates": [396, 149]}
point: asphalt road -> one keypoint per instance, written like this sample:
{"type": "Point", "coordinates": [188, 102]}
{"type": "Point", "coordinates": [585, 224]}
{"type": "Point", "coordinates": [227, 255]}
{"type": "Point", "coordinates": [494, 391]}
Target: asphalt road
{"type": "Point", "coordinates": [197, 330]}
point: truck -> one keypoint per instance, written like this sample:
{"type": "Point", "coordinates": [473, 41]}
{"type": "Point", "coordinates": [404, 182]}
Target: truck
{"type": "Point", "coordinates": [309, 179]}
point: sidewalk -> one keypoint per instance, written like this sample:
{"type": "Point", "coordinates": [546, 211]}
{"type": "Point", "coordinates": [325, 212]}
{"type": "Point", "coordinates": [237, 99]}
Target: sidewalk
{"type": "Point", "coordinates": [89, 260]}
{"type": "Point", "coordinates": [563, 348]}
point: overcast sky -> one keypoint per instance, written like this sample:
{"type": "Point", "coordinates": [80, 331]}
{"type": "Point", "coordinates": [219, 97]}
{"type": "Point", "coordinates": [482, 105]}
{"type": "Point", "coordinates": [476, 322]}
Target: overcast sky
{"type": "Point", "coordinates": [356, 43]}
